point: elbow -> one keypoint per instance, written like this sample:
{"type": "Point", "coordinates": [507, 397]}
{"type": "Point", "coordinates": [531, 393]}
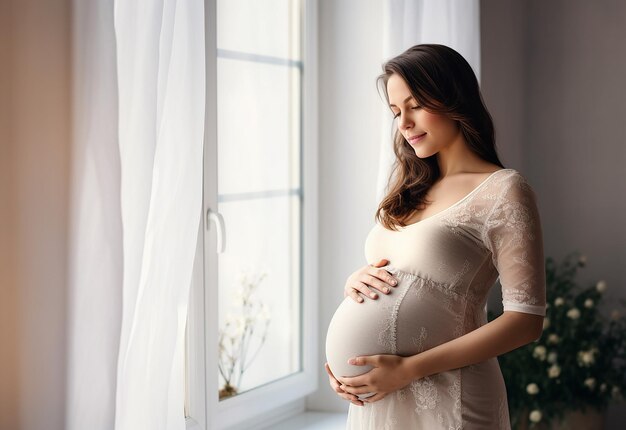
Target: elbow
{"type": "Point", "coordinates": [530, 326]}
{"type": "Point", "coordinates": [536, 329]}
{"type": "Point", "coordinates": [537, 336]}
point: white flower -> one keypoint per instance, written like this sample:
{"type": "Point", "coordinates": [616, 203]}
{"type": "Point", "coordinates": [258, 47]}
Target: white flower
{"type": "Point", "coordinates": [552, 357]}
{"type": "Point", "coordinates": [615, 314]}
{"type": "Point", "coordinates": [532, 388]}
{"type": "Point", "coordinates": [588, 303]}
{"type": "Point", "coordinates": [553, 338]}
{"type": "Point", "coordinates": [601, 286]}
{"type": "Point", "coordinates": [265, 313]}
{"type": "Point", "coordinates": [546, 323]}
{"type": "Point", "coordinates": [240, 325]}
{"type": "Point", "coordinates": [590, 382]}
{"type": "Point", "coordinates": [559, 301]}
{"type": "Point", "coordinates": [535, 416]}
{"type": "Point", "coordinates": [540, 352]}
{"type": "Point", "coordinates": [586, 358]}
{"type": "Point", "coordinates": [573, 313]}
{"type": "Point", "coordinates": [240, 296]}
{"type": "Point", "coordinates": [554, 371]}
{"type": "Point", "coordinates": [602, 387]}
{"type": "Point", "coordinates": [615, 392]}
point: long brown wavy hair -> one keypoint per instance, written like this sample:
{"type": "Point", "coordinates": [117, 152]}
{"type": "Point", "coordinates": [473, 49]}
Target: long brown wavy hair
{"type": "Point", "coordinates": [442, 82]}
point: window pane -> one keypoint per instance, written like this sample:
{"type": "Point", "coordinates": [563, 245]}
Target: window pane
{"type": "Point", "coordinates": [259, 192]}
{"type": "Point", "coordinates": [260, 272]}
{"type": "Point", "coordinates": [267, 27]}
{"type": "Point", "coordinates": [258, 110]}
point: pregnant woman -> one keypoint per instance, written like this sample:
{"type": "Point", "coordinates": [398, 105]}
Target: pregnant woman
{"type": "Point", "coordinates": [452, 221]}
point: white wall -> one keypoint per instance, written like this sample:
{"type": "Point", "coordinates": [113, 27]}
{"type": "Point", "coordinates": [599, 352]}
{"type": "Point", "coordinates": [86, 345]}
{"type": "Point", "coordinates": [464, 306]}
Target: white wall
{"type": "Point", "coordinates": [350, 46]}
{"type": "Point", "coordinates": [35, 153]}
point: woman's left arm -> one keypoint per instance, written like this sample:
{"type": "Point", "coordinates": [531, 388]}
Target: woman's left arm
{"type": "Point", "coordinates": [391, 372]}
{"type": "Point", "coordinates": [499, 336]}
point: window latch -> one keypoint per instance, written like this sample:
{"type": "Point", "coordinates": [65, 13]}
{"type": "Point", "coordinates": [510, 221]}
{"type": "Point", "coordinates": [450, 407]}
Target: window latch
{"type": "Point", "coordinates": [217, 218]}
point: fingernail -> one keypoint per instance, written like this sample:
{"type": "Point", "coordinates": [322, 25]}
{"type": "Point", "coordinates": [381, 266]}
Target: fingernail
{"type": "Point", "coordinates": [393, 282]}
{"type": "Point", "coordinates": [360, 299]}
{"type": "Point", "coordinates": [372, 295]}
{"type": "Point", "coordinates": [386, 290]}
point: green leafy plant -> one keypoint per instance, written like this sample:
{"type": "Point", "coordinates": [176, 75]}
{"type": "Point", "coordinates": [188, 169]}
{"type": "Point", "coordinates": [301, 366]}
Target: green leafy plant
{"type": "Point", "coordinates": [580, 360]}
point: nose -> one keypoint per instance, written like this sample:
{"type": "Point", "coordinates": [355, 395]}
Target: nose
{"type": "Point", "coordinates": [404, 122]}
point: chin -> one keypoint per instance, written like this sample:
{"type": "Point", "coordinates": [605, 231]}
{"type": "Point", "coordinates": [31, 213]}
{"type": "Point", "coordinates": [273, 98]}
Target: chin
{"type": "Point", "coordinates": [423, 154]}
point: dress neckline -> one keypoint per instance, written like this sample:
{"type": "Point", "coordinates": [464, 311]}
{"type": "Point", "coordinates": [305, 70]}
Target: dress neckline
{"type": "Point", "coordinates": [468, 195]}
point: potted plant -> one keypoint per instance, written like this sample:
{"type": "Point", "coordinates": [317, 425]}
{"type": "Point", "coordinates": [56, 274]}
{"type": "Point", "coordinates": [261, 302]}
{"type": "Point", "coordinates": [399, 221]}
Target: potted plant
{"type": "Point", "coordinates": [569, 376]}
{"type": "Point", "coordinates": [249, 321]}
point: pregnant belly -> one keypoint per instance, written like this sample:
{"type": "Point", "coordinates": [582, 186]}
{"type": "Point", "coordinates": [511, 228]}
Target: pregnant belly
{"type": "Point", "coordinates": [360, 329]}
{"type": "Point", "coordinates": [417, 315]}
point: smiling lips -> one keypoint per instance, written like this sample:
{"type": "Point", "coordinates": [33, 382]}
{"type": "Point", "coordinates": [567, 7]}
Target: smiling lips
{"type": "Point", "coordinates": [416, 138]}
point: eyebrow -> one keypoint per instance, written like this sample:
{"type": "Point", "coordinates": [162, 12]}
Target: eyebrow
{"type": "Point", "coordinates": [404, 101]}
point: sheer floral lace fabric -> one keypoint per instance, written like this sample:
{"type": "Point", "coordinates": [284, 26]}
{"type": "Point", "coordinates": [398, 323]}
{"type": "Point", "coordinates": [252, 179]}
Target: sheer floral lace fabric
{"type": "Point", "coordinates": [446, 264]}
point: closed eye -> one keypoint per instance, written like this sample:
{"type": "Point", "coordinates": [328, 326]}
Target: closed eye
{"type": "Point", "coordinates": [398, 114]}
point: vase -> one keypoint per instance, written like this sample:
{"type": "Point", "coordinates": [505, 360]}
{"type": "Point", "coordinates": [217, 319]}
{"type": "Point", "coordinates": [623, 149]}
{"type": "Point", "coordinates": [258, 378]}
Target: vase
{"type": "Point", "coordinates": [591, 419]}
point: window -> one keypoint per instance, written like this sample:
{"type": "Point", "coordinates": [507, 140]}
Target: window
{"type": "Point", "coordinates": [251, 346]}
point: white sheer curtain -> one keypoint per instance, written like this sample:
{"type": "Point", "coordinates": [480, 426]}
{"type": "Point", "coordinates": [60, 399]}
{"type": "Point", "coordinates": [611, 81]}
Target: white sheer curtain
{"type": "Point", "coordinates": [455, 23]}
{"type": "Point", "coordinates": [95, 227]}
{"type": "Point", "coordinates": [136, 207]}
{"type": "Point", "coordinates": [161, 74]}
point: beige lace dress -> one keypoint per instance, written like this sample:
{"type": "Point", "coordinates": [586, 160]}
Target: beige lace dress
{"type": "Point", "coordinates": [446, 265]}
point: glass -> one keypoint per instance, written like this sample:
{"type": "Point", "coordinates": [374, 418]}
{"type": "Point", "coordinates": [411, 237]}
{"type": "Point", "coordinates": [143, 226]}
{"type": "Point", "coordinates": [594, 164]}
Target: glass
{"type": "Point", "coordinates": [259, 110]}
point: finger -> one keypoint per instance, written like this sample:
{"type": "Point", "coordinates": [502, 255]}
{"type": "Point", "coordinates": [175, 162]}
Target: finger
{"type": "Point", "coordinates": [381, 262]}
{"type": "Point", "coordinates": [337, 389]}
{"type": "Point", "coordinates": [363, 389]}
{"type": "Point", "coordinates": [327, 367]}
{"type": "Point", "coordinates": [363, 287]}
{"type": "Point", "coordinates": [352, 398]}
{"type": "Point", "coordinates": [376, 397]}
{"type": "Point", "coordinates": [374, 282]}
{"type": "Point", "coordinates": [386, 277]}
{"type": "Point", "coordinates": [355, 296]}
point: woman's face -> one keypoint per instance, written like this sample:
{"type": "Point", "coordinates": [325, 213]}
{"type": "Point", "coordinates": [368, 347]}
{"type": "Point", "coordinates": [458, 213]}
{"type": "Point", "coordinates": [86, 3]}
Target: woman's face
{"type": "Point", "coordinates": [438, 131]}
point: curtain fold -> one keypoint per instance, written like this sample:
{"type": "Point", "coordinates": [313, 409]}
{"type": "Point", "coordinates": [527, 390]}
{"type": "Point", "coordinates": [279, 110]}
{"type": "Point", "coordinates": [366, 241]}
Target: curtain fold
{"type": "Point", "coordinates": [161, 74]}
{"type": "Point", "coordinates": [95, 226]}
{"type": "Point", "coordinates": [455, 23]}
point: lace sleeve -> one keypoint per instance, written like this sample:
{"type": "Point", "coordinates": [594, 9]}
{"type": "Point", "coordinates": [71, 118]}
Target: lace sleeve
{"type": "Point", "coordinates": [513, 234]}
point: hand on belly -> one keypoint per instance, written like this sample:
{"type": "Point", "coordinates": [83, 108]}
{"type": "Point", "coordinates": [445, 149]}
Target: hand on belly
{"type": "Point", "coordinates": [354, 330]}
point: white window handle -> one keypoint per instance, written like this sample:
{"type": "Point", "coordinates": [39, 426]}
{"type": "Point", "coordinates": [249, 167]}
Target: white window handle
{"type": "Point", "coordinates": [217, 218]}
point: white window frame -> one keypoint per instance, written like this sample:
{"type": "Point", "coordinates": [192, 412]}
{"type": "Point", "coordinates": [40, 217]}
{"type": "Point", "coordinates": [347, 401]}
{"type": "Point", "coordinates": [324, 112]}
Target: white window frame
{"type": "Point", "coordinates": [269, 403]}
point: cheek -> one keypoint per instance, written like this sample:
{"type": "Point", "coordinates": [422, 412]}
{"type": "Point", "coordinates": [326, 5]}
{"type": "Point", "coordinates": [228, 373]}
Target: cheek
{"type": "Point", "coordinates": [438, 124]}
{"type": "Point", "coordinates": [431, 121]}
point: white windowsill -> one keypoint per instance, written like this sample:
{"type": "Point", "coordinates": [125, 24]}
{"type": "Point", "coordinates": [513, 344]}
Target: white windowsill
{"type": "Point", "coordinates": [310, 420]}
